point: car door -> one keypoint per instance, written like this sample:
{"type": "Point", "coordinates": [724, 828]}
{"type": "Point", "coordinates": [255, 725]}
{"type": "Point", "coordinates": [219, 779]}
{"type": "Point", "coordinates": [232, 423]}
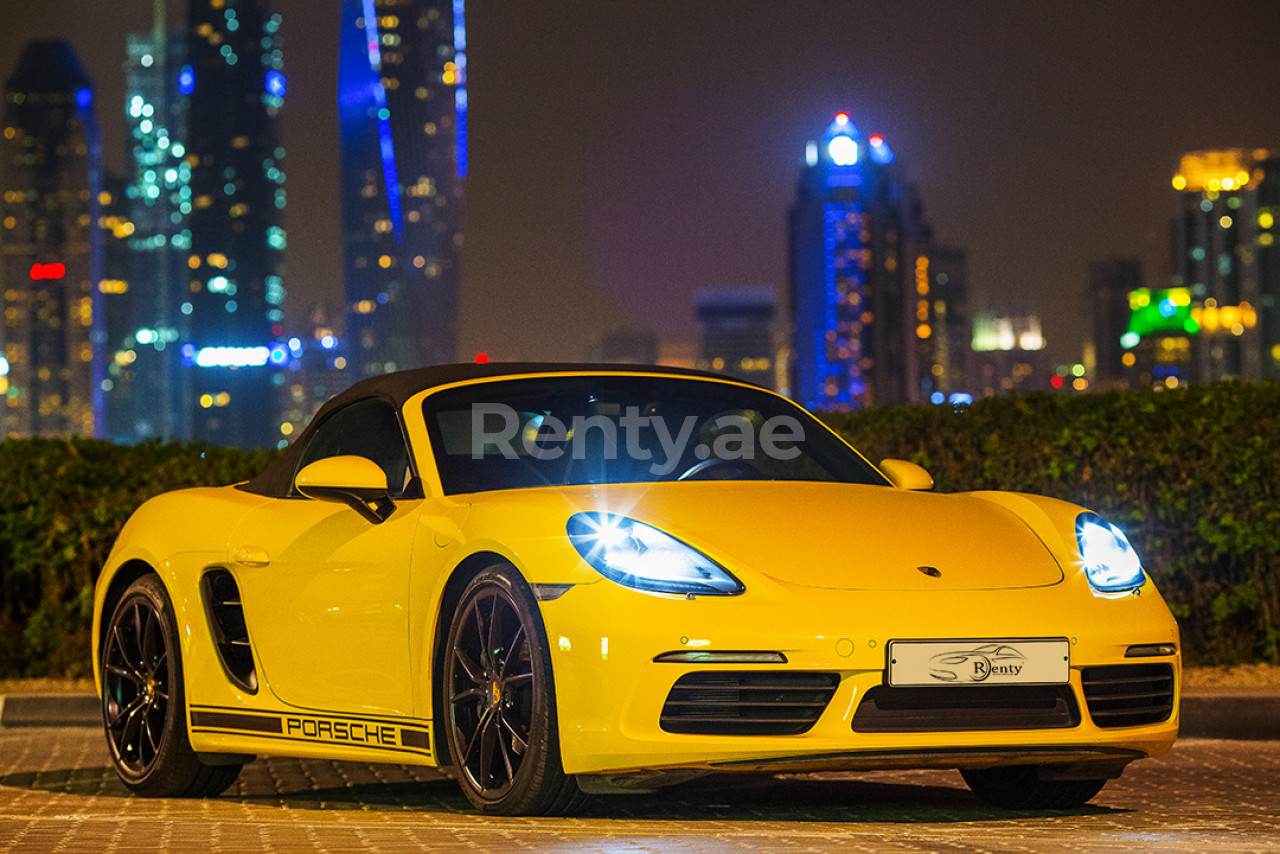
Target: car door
{"type": "Point", "coordinates": [325, 592]}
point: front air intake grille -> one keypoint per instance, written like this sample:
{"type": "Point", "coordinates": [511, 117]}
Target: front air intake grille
{"type": "Point", "coordinates": [1128, 694]}
{"type": "Point", "coordinates": [747, 703]}
{"type": "Point", "coordinates": [956, 708]}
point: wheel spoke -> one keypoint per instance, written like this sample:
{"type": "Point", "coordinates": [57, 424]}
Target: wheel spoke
{"type": "Point", "coordinates": [475, 735]}
{"type": "Point", "coordinates": [502, 747]}
{"type": "Point", "coordinates": [469, 693]}
{"type": "Point", "coordinates": [491, 645]}
{"type": "Point", "coordinates": [150, 653]}
{"type": "Point", "coordinates": [517, 643]}
{"type": "Point", "coordinates": [518, 742]}
{"type": "Point", "coordinates": [120, 671]}
{"type": "Point", "coordinates": [147, 727]}
{"type": "Point", "coordinates": [132, 724]}
{"type": "Point", "coordinates": [122, 712]}
{"type": "Point", "coordinates": [122, 648]}
{"type": "Point", "coordinates": [516, 680]}
{"type": "Point", "coordinates": [474, 672]}
{"type": "Point", "coordinates": [141, 657]}
{"type": "Point", "coordinates": [488, 737]}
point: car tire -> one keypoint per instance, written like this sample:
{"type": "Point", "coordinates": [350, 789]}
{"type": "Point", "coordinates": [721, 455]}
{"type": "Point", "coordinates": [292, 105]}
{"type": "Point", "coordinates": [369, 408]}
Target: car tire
{"type": "Point", "coordinates": [499, 701]}
{"type": "Point", "coordinates": [144, 710]}
{"type": "Point", "coordinates": [1019, 787]}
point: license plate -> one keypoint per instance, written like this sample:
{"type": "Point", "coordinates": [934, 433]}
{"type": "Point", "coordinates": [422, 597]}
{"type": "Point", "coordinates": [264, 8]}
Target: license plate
{"type": "Point", "coordinates": [979, 662]}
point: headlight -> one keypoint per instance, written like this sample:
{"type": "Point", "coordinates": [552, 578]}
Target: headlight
{"type": "Point", "coordinates": [1110, 563]}
{"type": "Point", "coordinates": [638, 555]}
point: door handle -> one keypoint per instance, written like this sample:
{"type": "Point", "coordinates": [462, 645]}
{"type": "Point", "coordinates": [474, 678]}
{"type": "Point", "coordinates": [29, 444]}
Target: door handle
{"type": "Point", "coordinates": [250, 556]}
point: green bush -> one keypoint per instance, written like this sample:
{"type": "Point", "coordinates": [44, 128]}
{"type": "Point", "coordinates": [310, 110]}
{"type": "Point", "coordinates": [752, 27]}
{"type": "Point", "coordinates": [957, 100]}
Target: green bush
{"type": "Point", "coordinates": [1190, 474]}
{"type": "Point", "coordinates": [62, 503]}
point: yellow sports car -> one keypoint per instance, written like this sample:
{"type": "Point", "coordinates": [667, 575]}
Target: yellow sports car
{"type": "Point", "coordinates": [560, 580]}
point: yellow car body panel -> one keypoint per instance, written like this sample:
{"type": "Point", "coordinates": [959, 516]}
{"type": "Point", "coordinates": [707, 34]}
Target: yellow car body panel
{"type": "Point", "coordinates": [344, 617]}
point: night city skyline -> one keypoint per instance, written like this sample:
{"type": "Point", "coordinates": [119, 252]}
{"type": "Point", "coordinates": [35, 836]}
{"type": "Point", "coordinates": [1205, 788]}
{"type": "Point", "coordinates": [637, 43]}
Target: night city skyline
{"type": "Point", "coordinates": [1039, 139]}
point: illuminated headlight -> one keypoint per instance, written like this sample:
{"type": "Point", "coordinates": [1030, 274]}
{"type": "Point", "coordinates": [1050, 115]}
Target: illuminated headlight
{"type": "Point", "coordinates": [638, 555]}
{"type": "Point", "coordinates": [1110, 563]}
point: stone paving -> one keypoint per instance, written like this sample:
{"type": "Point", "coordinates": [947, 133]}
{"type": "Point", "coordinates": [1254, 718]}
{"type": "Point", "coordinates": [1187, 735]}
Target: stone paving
{"type": "Point", "coordinates": [58, 794]}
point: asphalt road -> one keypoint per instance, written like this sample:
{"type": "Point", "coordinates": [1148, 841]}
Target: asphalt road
{"type": "Point", "coordinates": [57, 794]}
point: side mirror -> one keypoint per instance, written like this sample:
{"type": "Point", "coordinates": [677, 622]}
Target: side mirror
{"type": "Point", "coordinates": [357, 482]}
{"type": "Point", "coordinates": [906, 475]}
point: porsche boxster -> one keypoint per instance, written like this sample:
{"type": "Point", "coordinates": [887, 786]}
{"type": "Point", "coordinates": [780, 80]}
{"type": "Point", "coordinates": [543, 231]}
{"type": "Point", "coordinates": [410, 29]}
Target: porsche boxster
{"type": "Point", "coordinates": [553, 581]}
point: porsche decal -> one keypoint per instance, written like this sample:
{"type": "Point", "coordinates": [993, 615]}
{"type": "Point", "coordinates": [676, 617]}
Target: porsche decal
{"type": "Point", "coordinates": [380, 734]}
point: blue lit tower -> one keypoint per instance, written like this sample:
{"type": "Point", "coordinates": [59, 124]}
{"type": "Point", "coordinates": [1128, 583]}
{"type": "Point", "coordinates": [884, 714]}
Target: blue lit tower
{"type": "Point", "coordinates": [403, 106]}
{"type": "Point", "coordinates": [852, 218]}
{"type": "Point", "coordinates": [50, 248]}
{"type": "Point", "coordinates": [231, 354]}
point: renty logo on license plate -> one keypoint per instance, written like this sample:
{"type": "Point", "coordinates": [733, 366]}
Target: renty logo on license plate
{"type": "Point", "coordinates": [979, 662]}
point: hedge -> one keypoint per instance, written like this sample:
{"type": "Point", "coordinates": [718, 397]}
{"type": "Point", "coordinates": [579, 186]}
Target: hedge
{"type": "Point", "coordinates": [62, 503]}
{"type": "Point", "coordinates": [1190, 474]}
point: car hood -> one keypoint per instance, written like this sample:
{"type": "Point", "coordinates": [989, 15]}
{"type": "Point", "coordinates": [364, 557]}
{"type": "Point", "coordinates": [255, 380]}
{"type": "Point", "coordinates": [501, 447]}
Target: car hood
{"type": "Point", "coordinates": [834, 536]}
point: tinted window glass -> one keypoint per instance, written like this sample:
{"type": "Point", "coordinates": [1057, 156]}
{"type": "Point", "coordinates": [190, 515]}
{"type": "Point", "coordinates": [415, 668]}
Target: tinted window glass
{"type": "Point", "coordinates": [367, 428]}
{"type": "Point", "coordinates": [586, 430]}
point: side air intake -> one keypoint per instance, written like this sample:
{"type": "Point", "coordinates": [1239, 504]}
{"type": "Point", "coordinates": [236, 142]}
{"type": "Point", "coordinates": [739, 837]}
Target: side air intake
{"type": "Point", "coordinates": [222, 605]}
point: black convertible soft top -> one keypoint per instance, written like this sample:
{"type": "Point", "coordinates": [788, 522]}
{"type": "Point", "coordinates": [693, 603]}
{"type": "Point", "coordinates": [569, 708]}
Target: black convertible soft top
{"type": "Point", "coordinates": [397, 387]}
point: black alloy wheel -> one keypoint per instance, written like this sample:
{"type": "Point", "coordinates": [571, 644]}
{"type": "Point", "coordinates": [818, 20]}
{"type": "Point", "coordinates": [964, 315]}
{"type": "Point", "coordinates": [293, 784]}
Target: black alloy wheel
{"type": "Point", "coordinates": [501, 706]}
{"type": "Point", "coordinates": [143, 707]}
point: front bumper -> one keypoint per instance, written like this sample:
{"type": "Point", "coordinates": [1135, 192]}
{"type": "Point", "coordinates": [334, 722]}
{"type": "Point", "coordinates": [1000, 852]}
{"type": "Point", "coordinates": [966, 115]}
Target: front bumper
{"type": "Point", "coordinates": [610, 692]}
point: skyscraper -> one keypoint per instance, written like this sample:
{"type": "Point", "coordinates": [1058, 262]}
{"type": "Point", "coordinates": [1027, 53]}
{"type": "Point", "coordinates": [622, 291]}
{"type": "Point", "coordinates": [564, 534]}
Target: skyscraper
{"type": "Point", "coordinates": [737, 326]}
{"type": "Point", "coordinates": [1223, 241]}
{"type": "Point", "coordinates": [148, 391]}
{"type": "Point", "coordinates": [403, 106]}
{"type": "Point", "coordinates": [852, 218]}
{"type": "Point", "coordinates": [232, 354]}
{"type": "Point", "coordinates": [50, 248]}
{"type": "Point", "coordinates": [1009, 356]}
{"type": "Point", "coordinates": [1111, 281]}
{"type": "Point", "coordinates": [939, 327]}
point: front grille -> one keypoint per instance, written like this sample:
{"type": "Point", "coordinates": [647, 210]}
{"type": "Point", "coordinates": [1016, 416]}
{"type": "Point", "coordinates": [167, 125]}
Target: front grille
{"type": "Point", "coordinates": [1128, 694]}
{"type": "Point", "coordinates": [954, 708]}
{"type": "Point", "coordinates": [747, 703]}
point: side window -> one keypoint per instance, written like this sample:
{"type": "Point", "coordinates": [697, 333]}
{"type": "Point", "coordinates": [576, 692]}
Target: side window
{"type": "Point", "coordinates": [366, 428]}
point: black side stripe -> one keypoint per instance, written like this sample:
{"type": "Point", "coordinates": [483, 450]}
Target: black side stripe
{"type": "Point", "coordinates": [230, 720]}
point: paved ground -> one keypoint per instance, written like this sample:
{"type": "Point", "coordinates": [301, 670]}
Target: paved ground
{"type": "Point", "coordinates": [56, 794]}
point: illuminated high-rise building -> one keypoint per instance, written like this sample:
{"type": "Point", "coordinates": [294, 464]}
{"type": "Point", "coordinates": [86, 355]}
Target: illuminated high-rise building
{"type": "Point", "coordinates": [50, 248]}
{"type": "Point", "coordinates": [116, 229]}
{"type": "Point", "coordinates": [737, 332]}
{"type": "Point", "coordinates": [1161, 335]}
{"type": "Point", "coordinates": [232, 356]}
{"type": "Point", "coordinates": [148, 391]}
{"type": "Point", "coordinates": [1009, 356]}
{"type": "Point", "coordinates": [403, 107]}
{"type": "Point", "coordinates": [1111, 281]}
{"type": "Point", "coordinates": [939, 328]}
{"type": "Point", "coordinates": [850, 272]}
{"type": "Point", "coordinates": [1224, 250]}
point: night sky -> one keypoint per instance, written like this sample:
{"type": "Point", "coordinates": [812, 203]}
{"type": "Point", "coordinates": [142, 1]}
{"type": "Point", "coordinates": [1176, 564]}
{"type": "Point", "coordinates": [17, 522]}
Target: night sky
{"type": "Point", "coordinates": [624, 154]}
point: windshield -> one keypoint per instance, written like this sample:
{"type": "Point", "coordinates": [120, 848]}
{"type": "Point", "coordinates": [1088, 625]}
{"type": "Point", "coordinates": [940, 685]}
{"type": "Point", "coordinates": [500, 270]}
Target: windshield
{"type": "Point", "coordinates": [562, 431]}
